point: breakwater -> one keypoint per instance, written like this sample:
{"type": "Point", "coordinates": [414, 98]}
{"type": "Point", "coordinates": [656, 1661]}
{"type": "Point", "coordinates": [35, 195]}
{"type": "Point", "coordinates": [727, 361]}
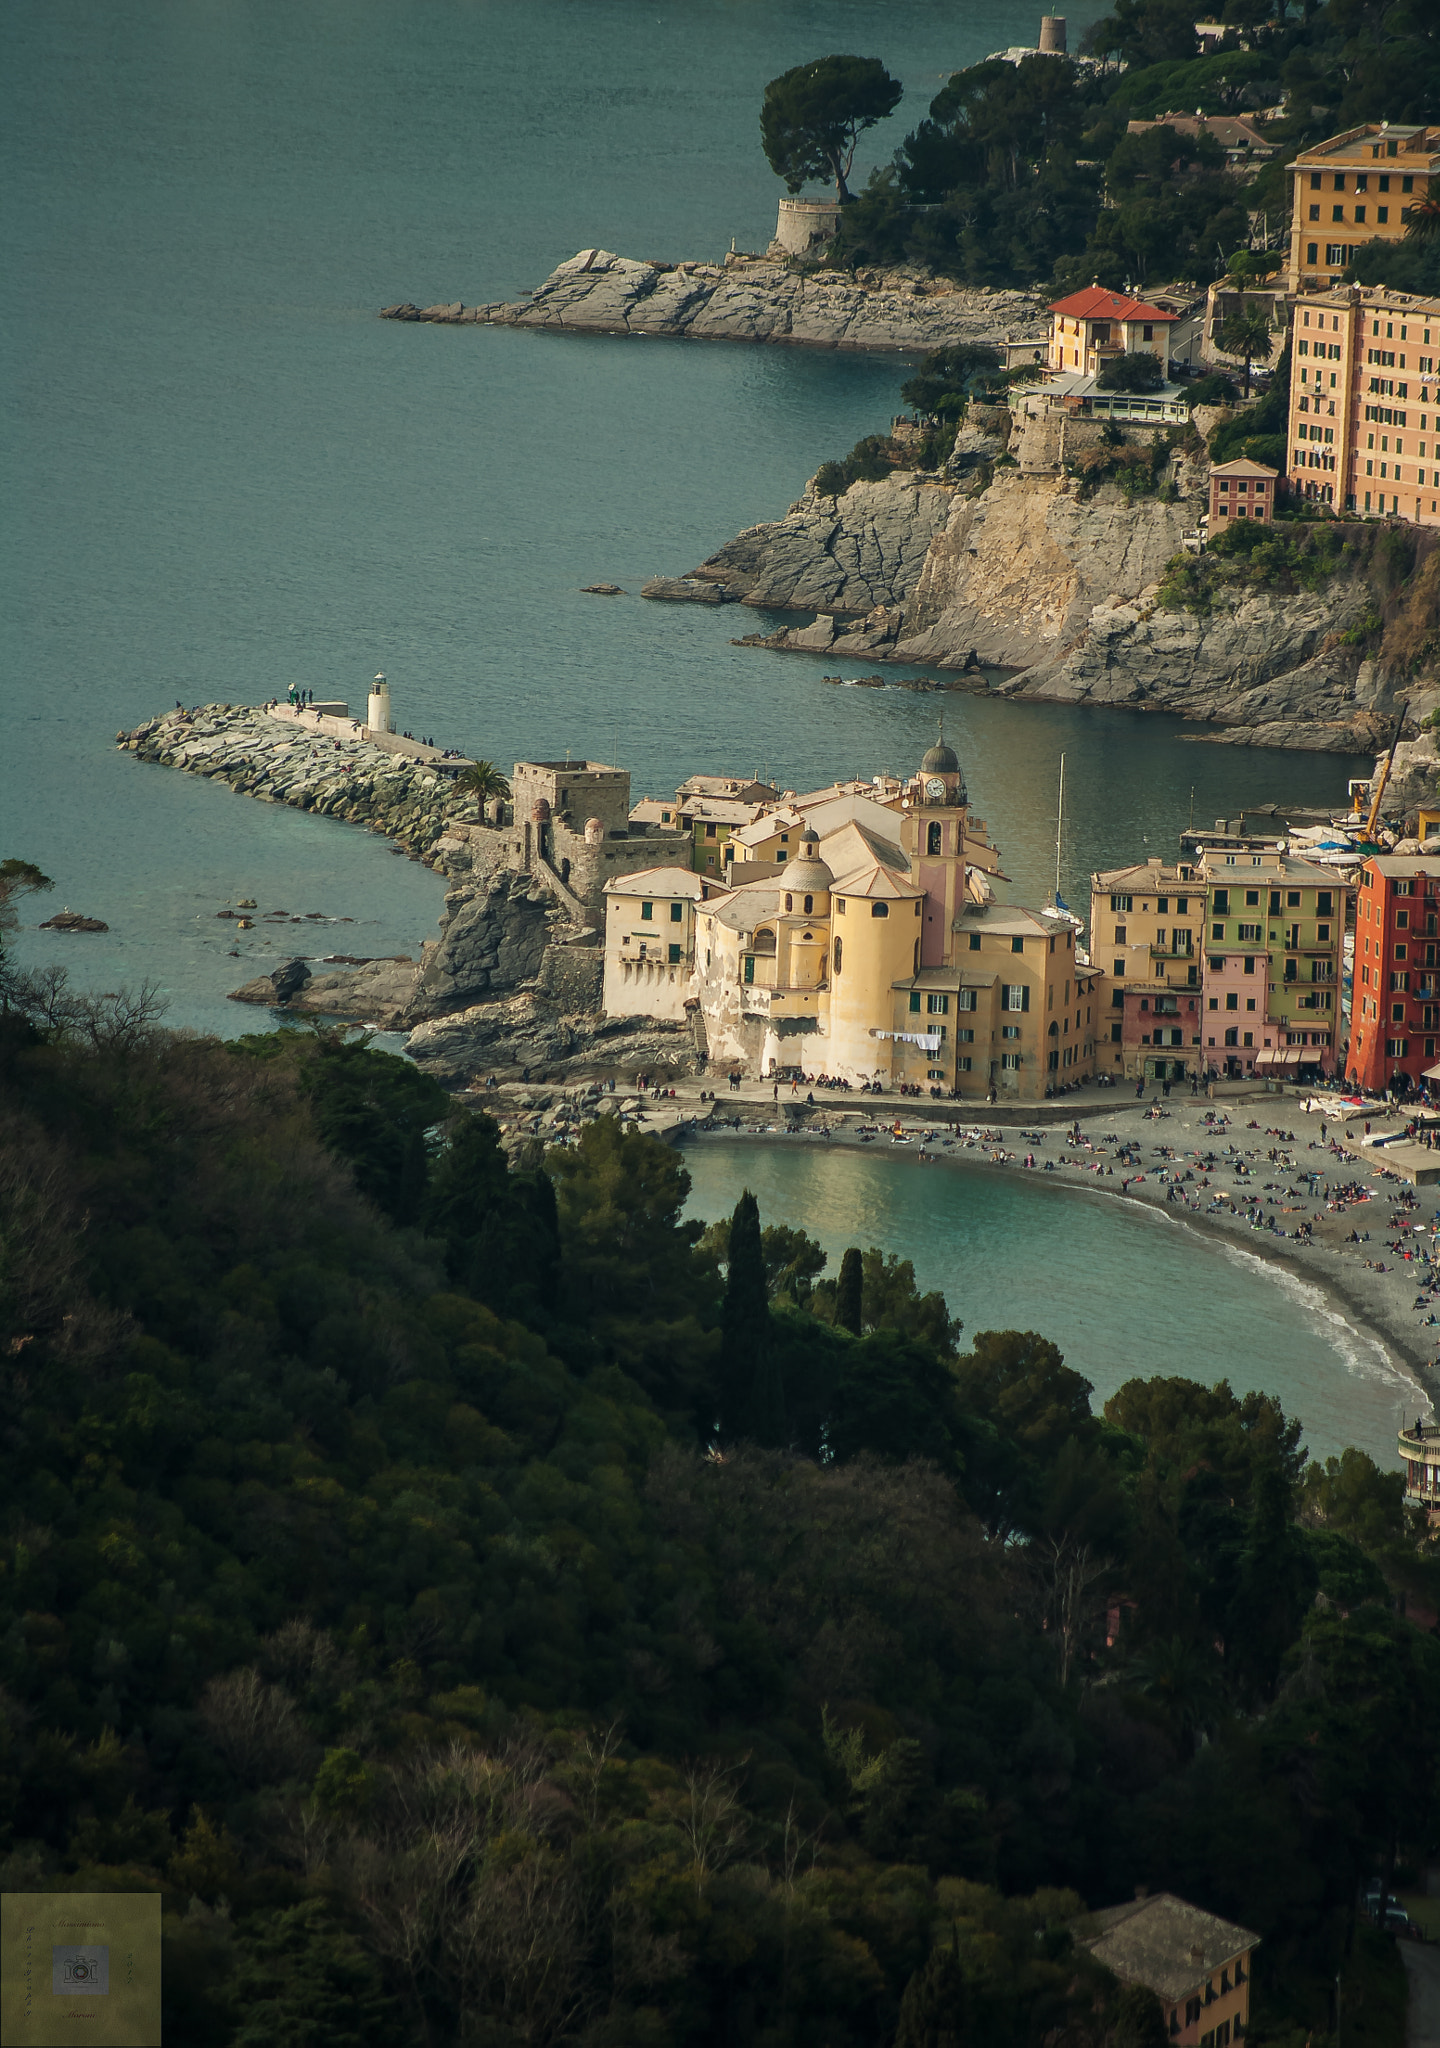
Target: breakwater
{"type": "Point", "coordinates": [312, 767]}
{"type": "Point", "coordinates": [753, 299]}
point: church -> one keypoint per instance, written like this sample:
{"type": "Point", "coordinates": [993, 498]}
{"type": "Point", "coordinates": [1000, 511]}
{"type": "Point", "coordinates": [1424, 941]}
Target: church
{"type": "Point", "coordinates": [875, 951]}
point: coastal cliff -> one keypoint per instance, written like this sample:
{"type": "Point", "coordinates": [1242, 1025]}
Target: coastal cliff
{"type": "Point", "coordinates": [1065, 584]}
{"type": "Point", "coordinates": [754, 299]}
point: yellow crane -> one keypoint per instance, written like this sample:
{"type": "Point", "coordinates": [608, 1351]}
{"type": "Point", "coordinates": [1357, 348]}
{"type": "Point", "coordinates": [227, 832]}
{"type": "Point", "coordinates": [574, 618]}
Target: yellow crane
{"type": "Point", "coordinates": [1384, 776]}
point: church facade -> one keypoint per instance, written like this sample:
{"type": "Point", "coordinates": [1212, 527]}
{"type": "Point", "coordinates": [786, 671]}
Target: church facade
{"type": "Point", "coordinates": [878, 951]}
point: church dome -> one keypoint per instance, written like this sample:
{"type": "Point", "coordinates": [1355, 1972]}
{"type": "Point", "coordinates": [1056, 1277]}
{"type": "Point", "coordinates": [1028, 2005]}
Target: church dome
{"type": "Point", "coordinates": [941, 759]}
{"type": "Point", "coordinates": [807, 871]}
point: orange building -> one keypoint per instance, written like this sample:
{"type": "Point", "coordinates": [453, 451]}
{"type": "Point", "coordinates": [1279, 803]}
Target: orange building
{"type": "Point", "coordinates": [1352, 189]}
{"type": "Point", "coordinates": [1365, 401]}
{"type": "Point", "coordinates": [1395, 1011]}
{"type": "Point", "coordinates": [1197, 1964]}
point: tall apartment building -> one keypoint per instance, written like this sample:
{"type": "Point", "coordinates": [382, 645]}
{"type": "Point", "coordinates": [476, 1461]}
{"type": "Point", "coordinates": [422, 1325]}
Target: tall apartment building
{"type": "Point", "coordinates": [1365, 401]}
{"type": "Point", "coordinates": [1147, 939]}
{"type": "Point", "coordinates": [1274, 939]}
{"type": "Point", "coordinates": [1395, 1032]}
{"type": "Point", "coordinates": [1352, 189]}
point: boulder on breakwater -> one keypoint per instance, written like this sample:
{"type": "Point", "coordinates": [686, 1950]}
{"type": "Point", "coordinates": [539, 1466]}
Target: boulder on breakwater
{"type": "Point", "coordinates": [753, 299]}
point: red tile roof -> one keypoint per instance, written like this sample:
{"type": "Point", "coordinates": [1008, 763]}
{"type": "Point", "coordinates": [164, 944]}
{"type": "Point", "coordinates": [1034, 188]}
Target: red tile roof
{"type": "Point", "coordinates": [1095, 303]}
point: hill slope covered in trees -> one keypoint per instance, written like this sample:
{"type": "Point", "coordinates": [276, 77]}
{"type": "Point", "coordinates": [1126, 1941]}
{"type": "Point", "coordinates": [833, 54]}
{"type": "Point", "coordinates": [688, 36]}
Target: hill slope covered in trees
{"type": "Point", "coordinates": [489, 1610]}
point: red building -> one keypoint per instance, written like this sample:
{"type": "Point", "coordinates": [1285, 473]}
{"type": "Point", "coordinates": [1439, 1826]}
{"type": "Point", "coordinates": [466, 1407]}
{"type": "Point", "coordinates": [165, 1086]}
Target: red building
{"type": "Point", "coordinates": [1395, 1011]}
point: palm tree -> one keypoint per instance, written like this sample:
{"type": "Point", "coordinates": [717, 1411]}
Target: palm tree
{"type": "Point", "coordinates": [1424, 222]}
{"type": "Point", "coordinates": [1248, 335]}
{"type": "Point", "coordinates": [483, 780]}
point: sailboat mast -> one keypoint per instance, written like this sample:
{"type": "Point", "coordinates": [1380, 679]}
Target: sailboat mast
{"type": "Point", "coordinates": [1059, 827]}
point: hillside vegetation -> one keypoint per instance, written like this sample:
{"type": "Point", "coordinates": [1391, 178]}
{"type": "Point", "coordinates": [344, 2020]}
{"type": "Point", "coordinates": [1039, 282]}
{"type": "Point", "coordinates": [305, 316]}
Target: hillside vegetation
{"type": "Point", "coordinates": [488, 1609]}
{"type": "Point", "coordinates": [1027, 175]}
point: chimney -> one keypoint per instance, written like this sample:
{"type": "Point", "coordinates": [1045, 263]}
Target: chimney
{"type": "Point", "coordinates": [1197, 1955]}
{"type": "Point", "coordinates": [1052, 34]}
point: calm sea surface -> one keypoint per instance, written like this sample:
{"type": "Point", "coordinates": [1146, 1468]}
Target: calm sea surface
{"type": "Point", "coordinates": [1124, 1293]}
{"type": "Point", "coordinates": [224, 475]}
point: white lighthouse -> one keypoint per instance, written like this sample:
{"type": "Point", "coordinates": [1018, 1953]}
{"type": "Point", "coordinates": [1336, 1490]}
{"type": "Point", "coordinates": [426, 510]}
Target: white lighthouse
{"type": "Point", "coordinates": [377, 717]}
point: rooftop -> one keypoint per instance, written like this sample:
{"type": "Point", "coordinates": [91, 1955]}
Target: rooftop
{"type": "Point", "coordinates": [1096, 302]}
{"type": "Point", "coordinates": [1371, 141]}
{"type": "Point", "coordinates": [1163, 1942]}
{"type": "Point", "coordinates": [659, 882]}
{"type": "Point", "coordinates": [1148, 873]}
{"type": "Point", "coordinates": [1243, 466]}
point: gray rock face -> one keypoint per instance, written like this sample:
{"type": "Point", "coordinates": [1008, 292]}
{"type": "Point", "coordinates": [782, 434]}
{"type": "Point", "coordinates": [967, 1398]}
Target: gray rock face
{"type": "Point", "coordinates": [1269, 664]}
{"type": "Point", "coordinates": [528, 1036]}
{"type": "Point", "coordinates": [683, 590]}
{"type": "Point", "coordinates": [835, 555]}
{"type": "Point", "coordinates": [493, 938]}
{"type": "Point", "coordinates": [598, 292]}
{"type": "Point", "coordinates": [1028, 574]}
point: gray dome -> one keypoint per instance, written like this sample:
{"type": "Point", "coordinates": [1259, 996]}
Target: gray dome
{"type": "Point", "coordinates": [940, 759]}
{"type": "Point", "coordinates": [807, 871]}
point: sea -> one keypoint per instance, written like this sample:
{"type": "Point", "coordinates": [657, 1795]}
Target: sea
{"type": "Point", "coordinates": [225, 475]}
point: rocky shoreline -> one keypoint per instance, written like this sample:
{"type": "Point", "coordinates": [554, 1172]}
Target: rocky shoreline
{"type": "Point", "coordinates": [510, 985]}
{"type": "Point", "coordinates": [753, 299]}
{"type": "Point", "coordinates": [1061, 585]}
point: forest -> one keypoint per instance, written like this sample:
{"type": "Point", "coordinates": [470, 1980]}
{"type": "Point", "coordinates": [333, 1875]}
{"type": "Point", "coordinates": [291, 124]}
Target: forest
{"type": "Point", "coordinates": [489, 1607]}
{"type": "Point", "coordinates": [1026, 174]}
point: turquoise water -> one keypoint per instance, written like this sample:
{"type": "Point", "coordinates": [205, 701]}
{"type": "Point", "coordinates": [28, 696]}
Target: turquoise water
{"type": "Point", "coordinates": [225, 475]}
{"type": "Point", "coordinates": [1125, 1293]}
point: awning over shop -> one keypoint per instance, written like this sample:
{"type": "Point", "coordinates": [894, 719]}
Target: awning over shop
{"type": "Point", "coordinates": [1284, 1057]}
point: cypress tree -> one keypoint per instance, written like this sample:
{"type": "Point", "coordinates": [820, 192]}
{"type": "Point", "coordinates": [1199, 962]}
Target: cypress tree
{"type": "Point", "coordinates": [744, 1323]}
{"type": "Point", "coordinates": [933, 2010]}
{"type": "Point", "coordinates": [849, 1292]}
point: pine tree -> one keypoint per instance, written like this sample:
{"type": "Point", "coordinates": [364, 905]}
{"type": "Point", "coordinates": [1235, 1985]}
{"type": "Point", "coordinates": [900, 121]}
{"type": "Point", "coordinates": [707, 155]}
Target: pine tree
{"type": "Point", "coordinates": [849, 1293]}
{"type": "Point", "coordinates": [744, 1326]}
{"type": "Point", "coordinates": [933, 2010]}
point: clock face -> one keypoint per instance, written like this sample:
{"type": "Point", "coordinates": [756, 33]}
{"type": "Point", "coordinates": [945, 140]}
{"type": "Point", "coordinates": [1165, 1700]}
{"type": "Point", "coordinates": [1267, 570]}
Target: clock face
{"type": "Point", "coordinates": [935, 790]}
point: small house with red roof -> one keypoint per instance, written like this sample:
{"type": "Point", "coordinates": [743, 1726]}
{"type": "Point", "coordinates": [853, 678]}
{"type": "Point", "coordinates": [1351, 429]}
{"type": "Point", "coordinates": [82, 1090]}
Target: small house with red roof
{"type": "Point", "coordinates": [1090, 328]}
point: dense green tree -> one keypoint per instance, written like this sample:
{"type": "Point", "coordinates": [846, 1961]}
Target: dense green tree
{"type": "Point", "coordinates": [850, 1293]}
{"type": "Point", "coordinates": [947, 376]}
{"type": "Point", "coordinates": [813, 115]}
{"type": "Point", "coordinates": [1139, 370]}
{"type": "Point", "coordinates": [304, 1981]}
{"type": "Point", "coordinates": [933, 2010]}
{"type": "Point", "coordinates": [750, 1401]}
{"type": "Point", "coordinates": [1248, 334]}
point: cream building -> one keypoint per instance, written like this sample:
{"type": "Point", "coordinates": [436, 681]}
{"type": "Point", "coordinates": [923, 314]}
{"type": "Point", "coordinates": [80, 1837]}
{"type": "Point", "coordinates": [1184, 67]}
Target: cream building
{"type": "Point", "coordinates": [650, 942]}
{"type": "Point", "coordinates": [871, 948]}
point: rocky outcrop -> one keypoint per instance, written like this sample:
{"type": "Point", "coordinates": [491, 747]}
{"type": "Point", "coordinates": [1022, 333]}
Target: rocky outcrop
{"type": "Point", "coordinates": [526, 1035]}
{"type": "Point", "coordinates": [282, 763]}
{"type": "Point", "coordinates": [494, 936]}
{"type": "Point", "coordinates": [1273, 668]}
{"type": "Point", "coordinates": [753, 299]}
{"type": "Point", "coordinates": [1035, 574]}
{"type": "Point", "coordinates": [838, 556]}
{"type": "Point", "coordinates": [73, 921]}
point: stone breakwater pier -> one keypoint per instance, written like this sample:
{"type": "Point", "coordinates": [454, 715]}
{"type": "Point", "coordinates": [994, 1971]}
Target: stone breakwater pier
{"type": "Point", "coordinates": [753, 299]}
{"type": "Point", "coordinates": [314, 763]}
